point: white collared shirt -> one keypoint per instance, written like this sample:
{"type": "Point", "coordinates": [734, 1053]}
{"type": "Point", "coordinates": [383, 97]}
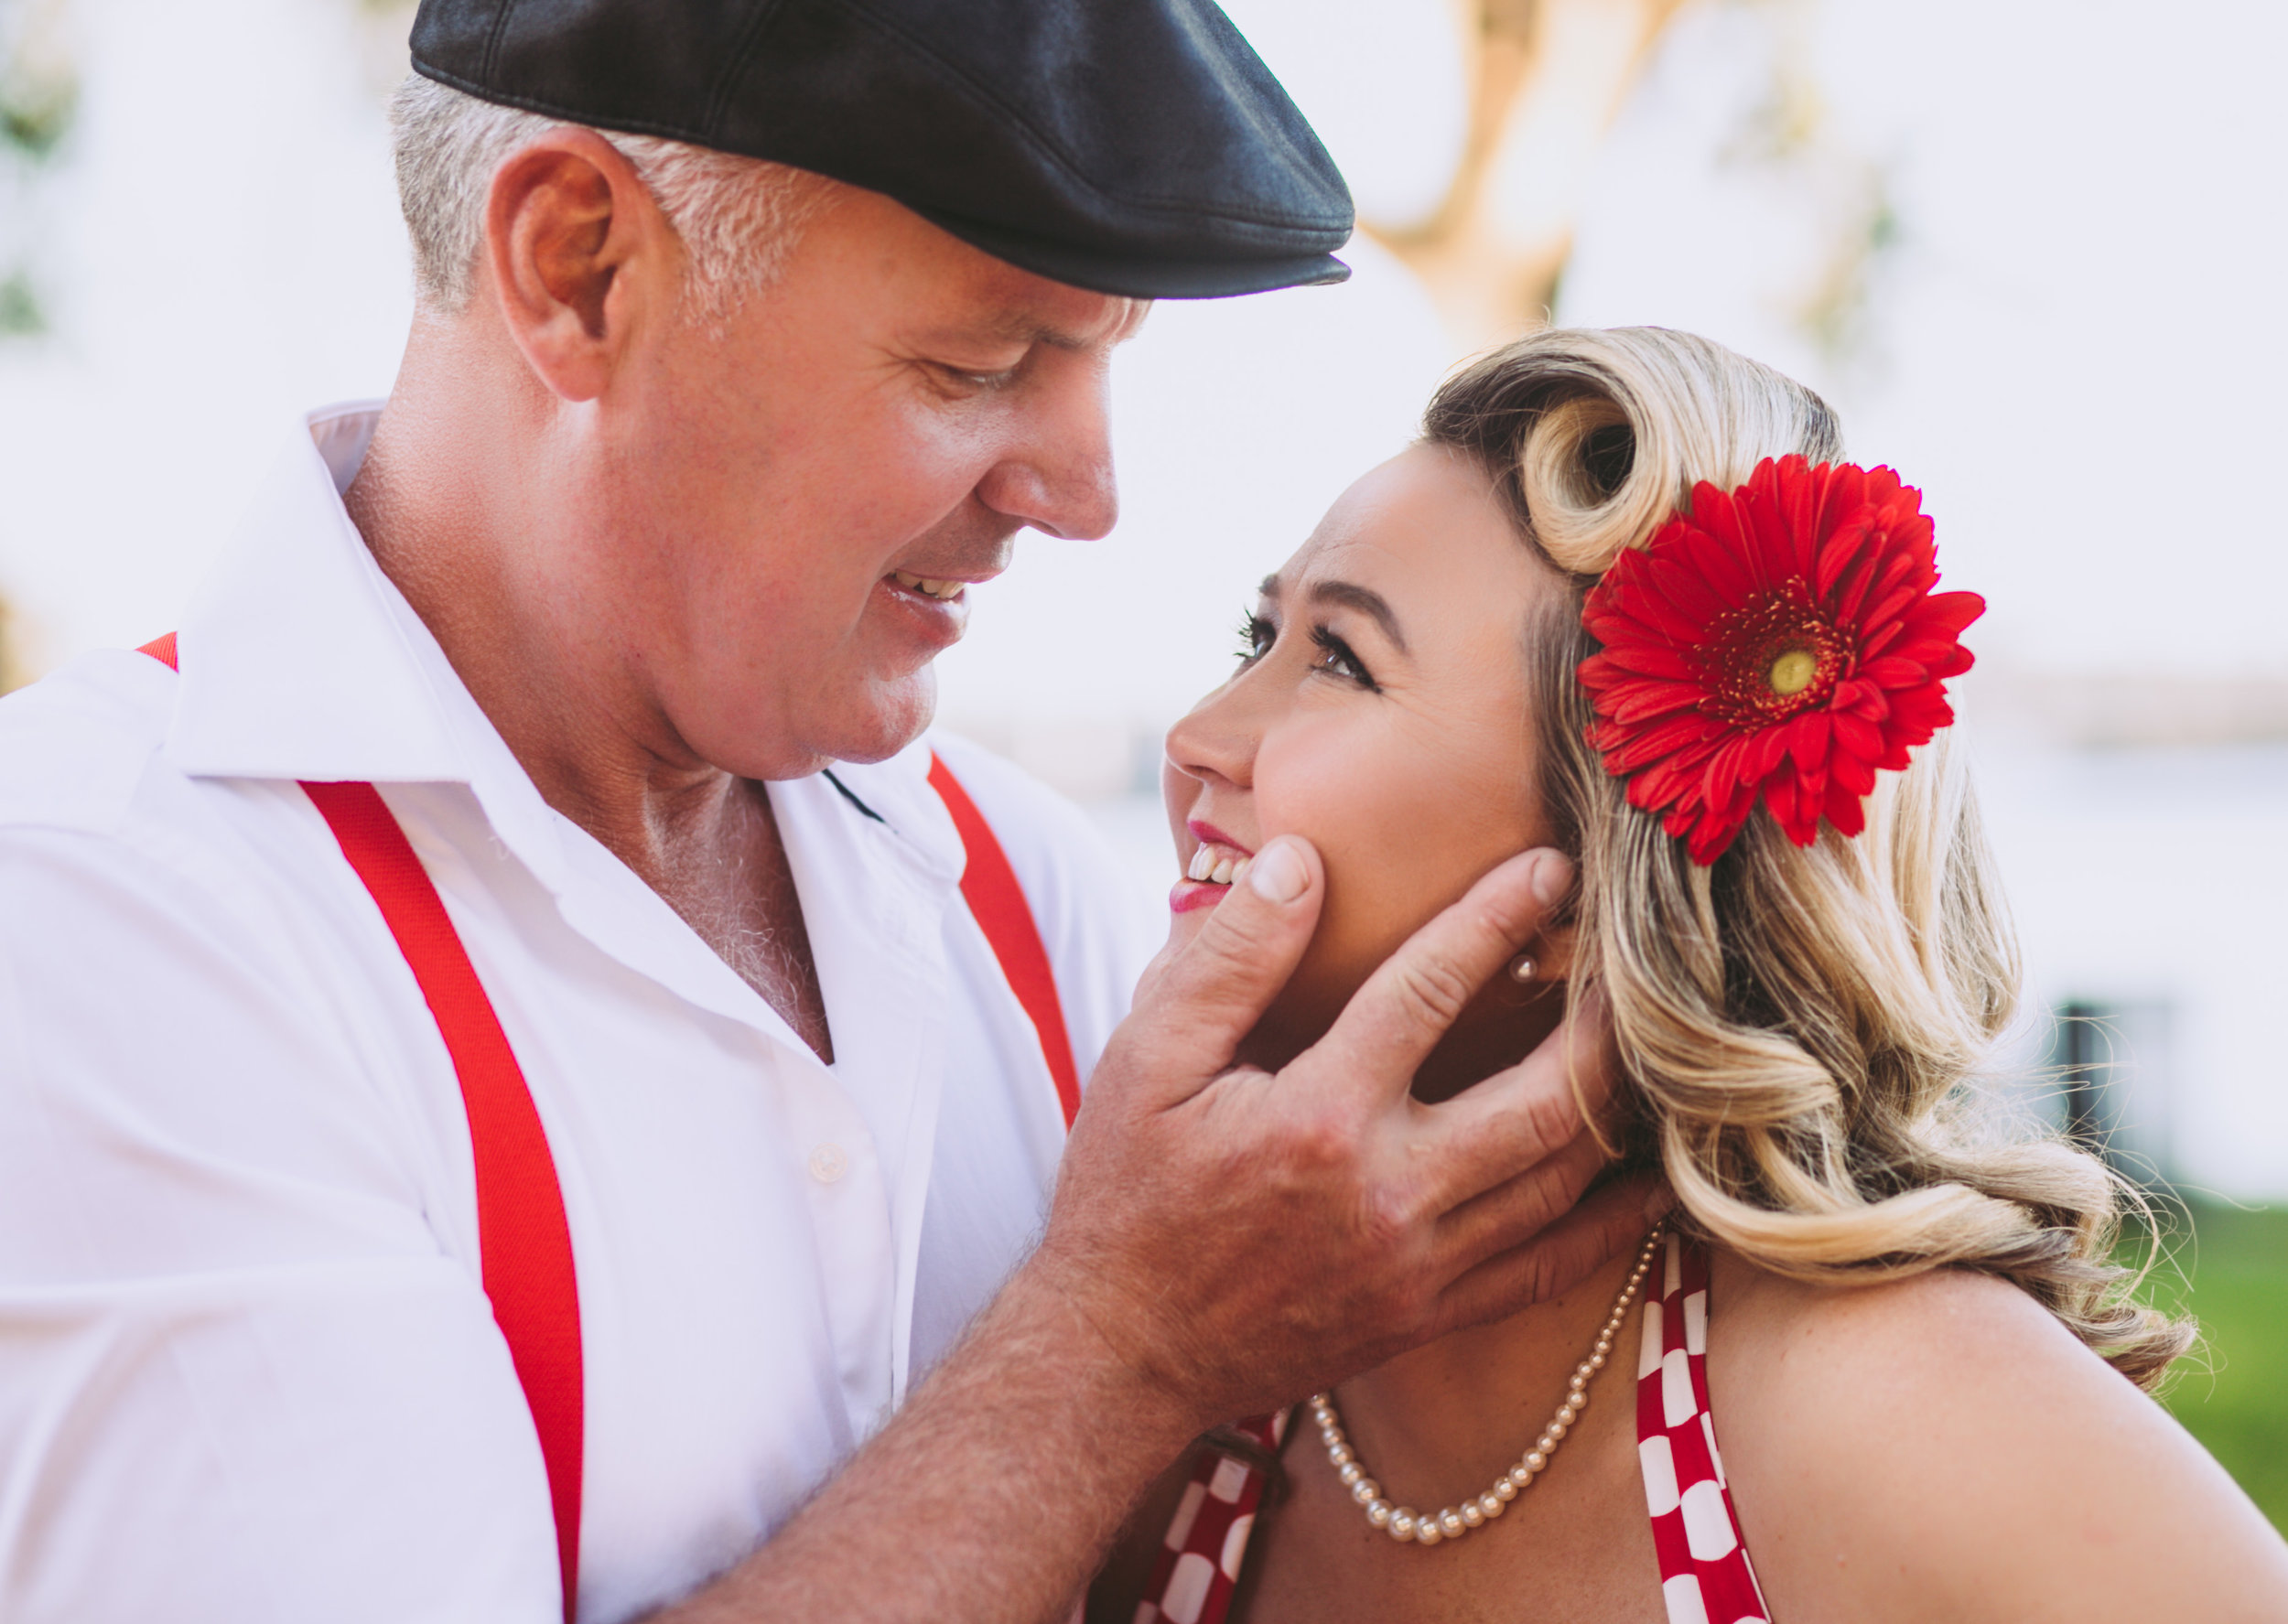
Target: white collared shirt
{"type": "Point", "coordinates": [247, 1372]}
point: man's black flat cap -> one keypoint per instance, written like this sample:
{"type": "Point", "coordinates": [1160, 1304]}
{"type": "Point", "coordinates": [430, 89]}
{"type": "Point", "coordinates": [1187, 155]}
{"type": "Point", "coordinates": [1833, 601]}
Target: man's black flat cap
{"type": "Point", "coordinates": [1129, 147]}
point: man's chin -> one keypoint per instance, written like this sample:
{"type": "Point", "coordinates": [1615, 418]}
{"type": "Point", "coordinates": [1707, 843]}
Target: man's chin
{"type": "Point", "coordinates": [879, 722]}
{"type": "Point", "coordinates": [865, 722]}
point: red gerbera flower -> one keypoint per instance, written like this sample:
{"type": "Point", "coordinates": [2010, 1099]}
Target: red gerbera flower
{"type": "Point", "coordinates": [1780, 641]}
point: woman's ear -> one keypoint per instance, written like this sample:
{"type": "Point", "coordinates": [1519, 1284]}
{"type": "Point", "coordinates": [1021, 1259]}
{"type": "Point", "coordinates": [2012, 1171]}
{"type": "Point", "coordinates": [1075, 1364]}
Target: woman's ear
{"type": "Point", "coordinates": [576, 250]}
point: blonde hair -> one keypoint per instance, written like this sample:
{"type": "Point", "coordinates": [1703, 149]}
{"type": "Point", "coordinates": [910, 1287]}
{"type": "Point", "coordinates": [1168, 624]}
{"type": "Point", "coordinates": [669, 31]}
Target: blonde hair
{"type": "Point", "coordinates": [737, 217]}
{"type": "Point", "coordinates": [1799, 1026]}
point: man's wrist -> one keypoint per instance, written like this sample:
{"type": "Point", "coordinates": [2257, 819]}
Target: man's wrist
{"type": "Point", "coordinates": [1107, 1367]}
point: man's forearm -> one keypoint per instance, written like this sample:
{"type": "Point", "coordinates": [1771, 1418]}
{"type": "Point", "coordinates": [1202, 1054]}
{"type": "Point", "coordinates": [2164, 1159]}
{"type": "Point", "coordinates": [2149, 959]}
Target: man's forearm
{"type": "Point", "coordinates": [991, 1496]}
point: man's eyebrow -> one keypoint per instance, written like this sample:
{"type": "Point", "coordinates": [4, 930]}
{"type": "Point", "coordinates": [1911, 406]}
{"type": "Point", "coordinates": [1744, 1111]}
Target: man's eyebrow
{"type": "Point", "coordinates": [1017, 328]}
{"type": "Point", "coordinates": [1366, 601]}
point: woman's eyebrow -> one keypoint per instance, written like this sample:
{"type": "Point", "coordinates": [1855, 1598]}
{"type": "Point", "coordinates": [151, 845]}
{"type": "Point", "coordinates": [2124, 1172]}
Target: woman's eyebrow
{"type": "Point", "coordinates": [1366, 601]}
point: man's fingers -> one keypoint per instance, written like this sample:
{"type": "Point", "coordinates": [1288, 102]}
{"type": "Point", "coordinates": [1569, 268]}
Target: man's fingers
{"type": "Point", "coordinates": [1393, 1022]}
{"type": "Point", "coordinates": [1200, 1001]}
{"type": "Point", "coordinates": [1495, 1130]}
{"type": "Point", "coordinates": [1511, 1214]}
{"type": "Point", "coordinates": [1613, 1219]}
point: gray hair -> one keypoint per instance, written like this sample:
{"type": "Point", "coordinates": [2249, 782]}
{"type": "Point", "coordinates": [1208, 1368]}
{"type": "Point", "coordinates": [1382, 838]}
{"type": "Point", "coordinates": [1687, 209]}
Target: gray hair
{"type": "Point", "coordinates": [737, 217]}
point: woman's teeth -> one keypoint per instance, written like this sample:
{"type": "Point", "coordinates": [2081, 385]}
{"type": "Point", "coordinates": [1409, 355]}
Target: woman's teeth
{"type": "Point", "coordinates": [944, 591]}
{"type": "Point", "coordinates": [1218, 865]}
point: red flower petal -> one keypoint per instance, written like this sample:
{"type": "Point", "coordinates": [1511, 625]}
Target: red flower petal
{"type": "Point", "coordinates": [1699, 625]}
{"type": "Point", "coordinates": [1893, 670]}
{"type": "Point", "coordinates": [1952, 611]}
{"type": "Point", "coordinates": [1683, 589]}
{"type": "Point", "coordinates": [1856, 736]}
{"type": "Point", "coordinates": [1726, 572]}
{"type": "Point", "coordinates": [1648, 660]}
{"type": "Point", "coordinates": [1854, 775]}
{"type": "Point", "coordinates": [1807, 740]}
{"type": "Point", "coordinates": [1641, 701]}
{"type": "Point", "coordinates": [1846, 809]}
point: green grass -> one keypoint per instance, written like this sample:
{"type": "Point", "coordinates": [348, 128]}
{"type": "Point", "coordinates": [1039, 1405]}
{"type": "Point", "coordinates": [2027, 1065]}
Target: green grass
{"type": "Point", "coordinates": [2232, 1392]}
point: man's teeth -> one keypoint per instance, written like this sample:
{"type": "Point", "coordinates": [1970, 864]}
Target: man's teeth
{"type": "Point", "coordinates": [942, 590]}
{"type": "Point", "coordinates": [1218, 865]}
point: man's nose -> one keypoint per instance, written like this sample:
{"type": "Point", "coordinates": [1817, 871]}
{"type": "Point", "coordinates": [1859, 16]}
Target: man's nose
{"type": "Point", "coordinates": [1056, 475]}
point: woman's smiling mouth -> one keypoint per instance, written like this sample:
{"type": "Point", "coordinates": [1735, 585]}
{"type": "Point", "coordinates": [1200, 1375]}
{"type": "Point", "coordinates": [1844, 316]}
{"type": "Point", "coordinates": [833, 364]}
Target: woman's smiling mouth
{"type": "Point", "coordinates": [1218, 863]}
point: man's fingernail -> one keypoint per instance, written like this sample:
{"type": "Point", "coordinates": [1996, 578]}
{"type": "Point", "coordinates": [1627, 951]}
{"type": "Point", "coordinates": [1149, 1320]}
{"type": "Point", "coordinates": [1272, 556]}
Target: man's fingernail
{"type": "Point", "coordinates": [1278, 872]}
{"type": "Point", "coordinates": [1552, 877]}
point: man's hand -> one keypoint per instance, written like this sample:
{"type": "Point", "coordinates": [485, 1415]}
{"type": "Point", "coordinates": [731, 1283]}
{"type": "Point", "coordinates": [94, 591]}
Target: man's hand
{"type": "Point", "coordinates": [1242, 1237]}
{"type": "Point", "coordinates": [1224, 1240]}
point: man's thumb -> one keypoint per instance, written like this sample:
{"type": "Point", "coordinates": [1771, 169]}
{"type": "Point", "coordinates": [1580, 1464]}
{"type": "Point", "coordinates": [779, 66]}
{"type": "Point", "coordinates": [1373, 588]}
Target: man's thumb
{"type": "Point", "coordinates": [1201, 999]}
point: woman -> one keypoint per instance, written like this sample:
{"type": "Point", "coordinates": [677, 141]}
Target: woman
{"type": "Point", "coordinates": [1624, 599]}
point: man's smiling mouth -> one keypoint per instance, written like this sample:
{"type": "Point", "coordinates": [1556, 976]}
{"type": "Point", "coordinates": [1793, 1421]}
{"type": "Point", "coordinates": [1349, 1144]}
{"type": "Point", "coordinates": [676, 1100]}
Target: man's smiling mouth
{"type": "Point", "coordinates": [943, 591]}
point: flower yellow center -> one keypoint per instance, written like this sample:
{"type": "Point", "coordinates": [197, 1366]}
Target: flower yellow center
{"type": "Point", "coordinates": [1792, 672]}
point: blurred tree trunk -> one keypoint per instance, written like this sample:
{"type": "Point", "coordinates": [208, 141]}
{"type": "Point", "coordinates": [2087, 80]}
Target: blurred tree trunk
{"type": "Point", "coordinates": [12, 671]}
{"type": "Point", "coordinates": [1546, 78]}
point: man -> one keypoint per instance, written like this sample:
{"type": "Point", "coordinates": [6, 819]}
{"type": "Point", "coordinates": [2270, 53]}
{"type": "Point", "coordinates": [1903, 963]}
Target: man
{"type": "Point", "coordinates": [521, 1188]}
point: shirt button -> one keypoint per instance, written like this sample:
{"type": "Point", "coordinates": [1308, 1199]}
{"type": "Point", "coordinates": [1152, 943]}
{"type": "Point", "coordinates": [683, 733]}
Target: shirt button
{"type": "Point", "coordinates": [829, 1162]}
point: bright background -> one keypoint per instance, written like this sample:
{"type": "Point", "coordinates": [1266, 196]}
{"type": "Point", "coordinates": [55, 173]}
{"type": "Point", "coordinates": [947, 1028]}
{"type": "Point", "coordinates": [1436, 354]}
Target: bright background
{"type": "Point", "coordinates": [2031, 250]}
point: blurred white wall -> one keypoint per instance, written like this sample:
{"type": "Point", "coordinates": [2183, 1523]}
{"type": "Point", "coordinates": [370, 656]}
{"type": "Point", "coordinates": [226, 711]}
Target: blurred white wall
{"type": "Point", "coordinates": [2072, 337]}
{"type": "Point", "coordinates": [225, 252]}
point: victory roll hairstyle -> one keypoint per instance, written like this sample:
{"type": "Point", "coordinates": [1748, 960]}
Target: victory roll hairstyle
{"type": "Point", "coordinates": [1799, 1027]}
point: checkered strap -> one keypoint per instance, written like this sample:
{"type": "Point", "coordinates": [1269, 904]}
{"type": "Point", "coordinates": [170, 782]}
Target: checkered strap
{"type": "Point", "coordinates": [1199, 1561]}
{"type": "Point", "coordinates": [1705, 1576]}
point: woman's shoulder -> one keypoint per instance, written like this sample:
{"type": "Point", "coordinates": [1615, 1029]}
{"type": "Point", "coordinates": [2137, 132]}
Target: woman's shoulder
{"type": "Point", "coordinates": [1943, 1446]}
{"type": "Point", "coordinates": [1940, 1325]}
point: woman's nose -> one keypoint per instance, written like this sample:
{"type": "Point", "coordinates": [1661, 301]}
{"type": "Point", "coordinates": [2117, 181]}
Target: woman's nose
{"type": "Point", "coordinates": [1216, 740]}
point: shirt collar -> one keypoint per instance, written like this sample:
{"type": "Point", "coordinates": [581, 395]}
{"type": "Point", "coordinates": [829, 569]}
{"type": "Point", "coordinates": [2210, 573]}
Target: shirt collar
{"type": "Point", "coordinates": [301, 660]}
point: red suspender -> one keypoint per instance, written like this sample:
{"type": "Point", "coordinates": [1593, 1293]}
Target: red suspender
{"type": "Point", "coordinates": [521, 1228]}
{"type": "Point", "coordinates": [525, 1241]}
{"type": "Point", "coordinates": [990, 886]}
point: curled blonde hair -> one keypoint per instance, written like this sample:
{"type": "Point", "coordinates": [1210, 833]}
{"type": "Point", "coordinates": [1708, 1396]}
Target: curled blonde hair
{"type": "Point", "coordinates": [1800, 1027]}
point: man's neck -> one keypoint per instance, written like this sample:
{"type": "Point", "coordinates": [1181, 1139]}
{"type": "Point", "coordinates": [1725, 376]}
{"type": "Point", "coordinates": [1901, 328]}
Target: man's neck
{"type": "Point", "coordinates": [596, 748]}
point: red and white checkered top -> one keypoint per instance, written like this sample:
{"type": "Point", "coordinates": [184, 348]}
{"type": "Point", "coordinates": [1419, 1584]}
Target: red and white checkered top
{"type": "Point", "coordinates": [1705, 1576]}
{"type": "Point", "coordinates": [1207, 1539]}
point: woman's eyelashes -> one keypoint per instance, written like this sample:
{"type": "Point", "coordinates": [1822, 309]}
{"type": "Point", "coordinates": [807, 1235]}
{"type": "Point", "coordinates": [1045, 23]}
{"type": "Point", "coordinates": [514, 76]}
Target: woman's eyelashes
{"type": "Point", "coordinates": [1334, 658]}
{"type": "Point", "coordinates": [1256, 637]}
{"type": "Point", "coordinates": [1338, 659]}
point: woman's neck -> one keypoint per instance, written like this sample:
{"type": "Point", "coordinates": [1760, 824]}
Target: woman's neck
{"type": "Point", "coordinates": [1447, 1418]}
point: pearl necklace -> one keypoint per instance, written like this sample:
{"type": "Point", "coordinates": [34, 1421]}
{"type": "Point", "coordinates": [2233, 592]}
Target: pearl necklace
{"type": "Point", "coordinates": [1403, 1522]}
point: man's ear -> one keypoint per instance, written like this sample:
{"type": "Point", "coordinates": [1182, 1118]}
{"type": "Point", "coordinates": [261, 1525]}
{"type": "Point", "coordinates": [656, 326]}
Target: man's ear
{"type": "Point", "coordinates": [578, 255]}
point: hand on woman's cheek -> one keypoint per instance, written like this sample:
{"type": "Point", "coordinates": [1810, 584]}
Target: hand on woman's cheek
{"type": "Point", "coordinates": [1381, 711]}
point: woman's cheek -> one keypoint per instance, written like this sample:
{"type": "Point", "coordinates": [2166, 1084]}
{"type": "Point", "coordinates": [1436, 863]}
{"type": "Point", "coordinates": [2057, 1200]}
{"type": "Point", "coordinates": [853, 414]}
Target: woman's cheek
{"type": "Point", "coordinates": [1339, 794]}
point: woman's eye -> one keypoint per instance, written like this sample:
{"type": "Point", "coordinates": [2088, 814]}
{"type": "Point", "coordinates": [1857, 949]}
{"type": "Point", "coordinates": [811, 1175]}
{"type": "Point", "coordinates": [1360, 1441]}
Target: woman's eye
{"type": "Point", "coordinates": [1256, 637]}
{"type": "Point", "coordinates": [1338, 659]}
